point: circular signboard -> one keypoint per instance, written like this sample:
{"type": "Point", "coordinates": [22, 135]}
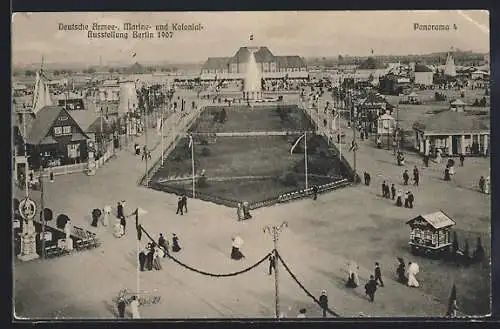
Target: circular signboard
{"type": "Point", "coordinates": [27, 208]}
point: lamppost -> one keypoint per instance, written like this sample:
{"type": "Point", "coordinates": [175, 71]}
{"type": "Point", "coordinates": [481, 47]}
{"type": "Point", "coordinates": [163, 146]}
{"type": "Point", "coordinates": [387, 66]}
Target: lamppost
{"type": "Point", "coordinates": [275, 231]}
{"type": "Point", "coordinates": [146, 149]}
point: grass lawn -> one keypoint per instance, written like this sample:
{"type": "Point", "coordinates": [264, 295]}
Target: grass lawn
{"type": "Point", "coordinates": [250, 190]}
{"type": "Point", "coordinates": [251, 156]}
{"type": "Point", "coordinates": [258, 118]}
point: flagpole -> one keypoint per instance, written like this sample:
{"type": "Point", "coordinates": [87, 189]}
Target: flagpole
{"type": "Point", "coordinates": [192, 164]}
{"type": "Point", "coordinates": [162, 118]}
{"type": "Point", "coordinates": [305, 157]}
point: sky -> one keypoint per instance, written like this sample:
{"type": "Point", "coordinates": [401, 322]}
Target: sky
{"type": "Point", "coordinates": [305, 33]}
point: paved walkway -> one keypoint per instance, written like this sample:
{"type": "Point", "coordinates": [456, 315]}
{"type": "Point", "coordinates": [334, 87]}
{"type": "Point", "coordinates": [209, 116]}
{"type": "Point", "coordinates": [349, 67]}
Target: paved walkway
{"type": "Point", "coordinates": [319, 241]}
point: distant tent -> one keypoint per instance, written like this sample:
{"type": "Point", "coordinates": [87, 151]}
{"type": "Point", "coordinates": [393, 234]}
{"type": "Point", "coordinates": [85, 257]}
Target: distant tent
{"type": "Point", "coordinates": [41, 95]}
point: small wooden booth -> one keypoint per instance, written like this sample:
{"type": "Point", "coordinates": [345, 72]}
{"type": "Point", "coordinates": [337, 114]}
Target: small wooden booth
{"type": "Point", "coordinates": [430, 233]}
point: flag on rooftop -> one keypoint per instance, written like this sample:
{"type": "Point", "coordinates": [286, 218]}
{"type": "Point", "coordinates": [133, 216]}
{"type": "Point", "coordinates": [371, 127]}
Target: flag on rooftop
{"type": "Point", "coordinates": [251, 37]}
{"type": "Point", "coordinates": [297, 143]}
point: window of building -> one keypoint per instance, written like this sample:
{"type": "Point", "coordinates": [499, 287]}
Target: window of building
{"type": "Point", "coordinates": [67, 130]}
{"type": "Point", "coordinates": [273, 67]}
{"type": "Point", "coordinates": [265, 67]}
{"type": "Point", "coordinates": [57, 131]}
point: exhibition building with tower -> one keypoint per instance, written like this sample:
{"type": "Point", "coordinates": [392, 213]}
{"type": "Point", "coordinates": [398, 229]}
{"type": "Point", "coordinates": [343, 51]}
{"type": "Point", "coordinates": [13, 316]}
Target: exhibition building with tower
{"type": "Point", "coordinates": [270, 65]}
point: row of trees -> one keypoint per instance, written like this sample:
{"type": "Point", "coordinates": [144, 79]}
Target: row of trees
{"type": "Point", "coordinates": [466, 58]}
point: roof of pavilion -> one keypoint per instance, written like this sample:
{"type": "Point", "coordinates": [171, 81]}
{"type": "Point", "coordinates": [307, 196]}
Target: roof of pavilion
{"type": "Point", "coordinates": [451, 122]}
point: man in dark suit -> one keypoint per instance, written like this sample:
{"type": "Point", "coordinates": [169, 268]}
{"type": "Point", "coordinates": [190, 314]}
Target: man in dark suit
{"type": "Point", "coordinates": [185, 203]}
{"type": "Point", "coordinates": [180, 205]}
{"type": "Point", "coordinates": [272, 263]}
{"type": "Point", "coordinates": [370, 288]}
{"type": "Point", "coordinates": [323, 301]}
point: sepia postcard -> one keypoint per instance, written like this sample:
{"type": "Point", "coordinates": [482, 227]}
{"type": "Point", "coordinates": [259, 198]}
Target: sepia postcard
{"type": "Point", "coordinates": [256, 165]}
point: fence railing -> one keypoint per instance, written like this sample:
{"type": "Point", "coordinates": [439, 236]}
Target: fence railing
{"type": "Point", "coordinates": [170, 143]}
{"type": "Point", "coordinates": [64, 170]}
{"type": "Point", "coordinates": [189, 193]}
{"type": "Point", "coordinates": [333, 147]}
{"type": "Point", "coordinates": [306, 192]}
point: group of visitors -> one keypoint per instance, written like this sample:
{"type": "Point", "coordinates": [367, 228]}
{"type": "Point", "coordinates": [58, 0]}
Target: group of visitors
{"type": "Point", "coordinates": [407, 276]}
{"type": "Point", "coordinates": [371, 284]}
{"type": "Point", "coordinates": [390, 192]}
{"type": "Point", "coordinates": [243, 211]}
{"type": "Point", "coordinates": [182, 205]}
{"type": "Point", "coordinates": [133, 304]}
{"type": "Point", "coordinates": [149, 258]}
{"type": "Point", "coordinates": [145, 151]}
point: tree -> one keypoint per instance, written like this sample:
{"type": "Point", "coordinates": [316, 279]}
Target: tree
{"type": "Point", "coordinates": [29, 73]}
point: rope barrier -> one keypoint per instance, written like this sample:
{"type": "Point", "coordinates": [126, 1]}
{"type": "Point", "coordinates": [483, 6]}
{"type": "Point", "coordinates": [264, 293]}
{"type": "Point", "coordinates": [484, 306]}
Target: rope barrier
{"type": "Point", "coordinates": [220, 275]}
{"type": "Point", "coordinates": [217, 275]}
{"type": "Point", "coordinates": [303, 288]}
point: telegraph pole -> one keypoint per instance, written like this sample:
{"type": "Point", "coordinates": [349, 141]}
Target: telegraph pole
{"type": "Point", "coordinates": [42, 206]}
{"type": "Point", "coordinates": [354, 140]}
{"type": "Point", "coordinates": [275, 231]}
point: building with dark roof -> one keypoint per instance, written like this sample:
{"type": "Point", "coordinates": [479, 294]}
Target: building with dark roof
{"type": "Point", "coordinates": [271, 66]}
{"type": "Point", "coordinates": [423, 75]}
{"type": "Point", "coordinates": [452, 133]}
{"type": "Point", "coordinates": [55, 138]}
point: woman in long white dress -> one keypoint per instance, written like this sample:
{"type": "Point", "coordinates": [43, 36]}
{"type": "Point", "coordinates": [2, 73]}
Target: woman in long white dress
{"type": "Point", "coordinates": [106, 216]}
{"type": "Point", "coordinates": [235, 251]}
{"type": "Point", "coordinates": [118, 230]}
{"type": "Point", "coordinates": [413, 270]}
{"type": "Point", "coordinates": [134, 308]}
